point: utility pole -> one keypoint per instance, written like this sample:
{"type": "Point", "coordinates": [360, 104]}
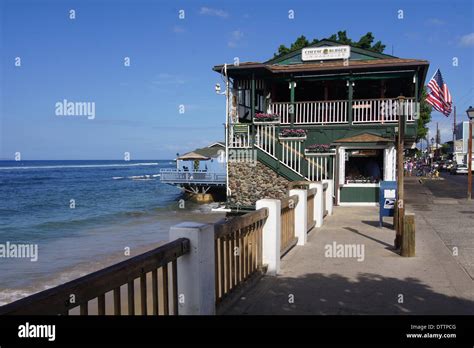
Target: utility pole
{"type": "Point", "coordinates": [438, 140]}
{"type": "Point", "coordinates": [469, 161]}
{"type": "Point", "coordinates": [454, 127]}
{"type": "Point", "coordinates": [400, 207]}
{"type": "Point", "coordinates": [470, 115]}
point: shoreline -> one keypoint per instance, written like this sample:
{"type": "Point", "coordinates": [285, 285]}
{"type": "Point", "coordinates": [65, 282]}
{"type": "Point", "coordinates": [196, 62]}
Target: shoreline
{"type": "Point", "coordinates": [68, 273]}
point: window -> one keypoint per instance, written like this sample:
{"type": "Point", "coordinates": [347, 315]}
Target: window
{"type": "Point", "coordinates": [364, 166]}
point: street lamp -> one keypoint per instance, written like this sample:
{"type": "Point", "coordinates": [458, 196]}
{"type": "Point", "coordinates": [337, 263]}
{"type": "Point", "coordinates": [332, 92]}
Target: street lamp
{"type": "Point", "coordinates": [470, 114]}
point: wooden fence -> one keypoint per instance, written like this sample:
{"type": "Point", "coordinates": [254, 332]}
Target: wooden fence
{"type": "Point", "coordinates": [287, 237]}
{"type": "Point", "coordinates": [89, 294]}
{"type": "Point", "coordinates": [238, 251]}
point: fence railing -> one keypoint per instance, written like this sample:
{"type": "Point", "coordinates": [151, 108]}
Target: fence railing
{"type": "Point", "coordinates": [172, 176]}
{"type": "Point", "coordinates": [91, 294]}
{"type": "Point", "coordinates": [291, 155]}
{"type": "Point", "coordinates": [312, 112]}
{"type": "Point", "coordinates": [266, 138]}
{"type": "Point", "coordinates": [239, 139]}
{"type": "Point", "coordinates": [381, 110]}
{"type": "Point", "coordinates": [238, 251]}
{"type": "Point", "coordinates": [310, 215]}
{"type": "Point", "coordinates": [336, 111]}
{"type": "Point", "coordinates": [287, 237]}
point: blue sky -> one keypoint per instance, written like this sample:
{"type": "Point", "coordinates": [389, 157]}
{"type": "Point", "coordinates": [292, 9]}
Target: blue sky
{"type": "Point", "coordinates": [137, 107]}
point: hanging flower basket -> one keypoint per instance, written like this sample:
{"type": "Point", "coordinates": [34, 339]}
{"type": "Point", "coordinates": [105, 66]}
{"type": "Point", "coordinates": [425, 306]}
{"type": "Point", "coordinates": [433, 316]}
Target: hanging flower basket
{"type": "Point", "coordinates": [317, 149]}
{"type": "Point", "coordinates": [292, 134]}
{"type": "Point", "coordinates": [262, 118]}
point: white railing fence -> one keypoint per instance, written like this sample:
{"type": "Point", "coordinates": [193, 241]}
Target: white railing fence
{"type": "Point", "coordinates": [381, 110]}
{"type": "Point", "coordinates": [266, 138]}
{"type": "Point", "coordinates": [291, 154]}
{"type": "Point", "coordinates": [336, 111]}
{"type": "Point", "coordinates": [318, 168]}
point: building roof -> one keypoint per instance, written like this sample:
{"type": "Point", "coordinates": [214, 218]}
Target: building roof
{"type": "Point", "coordinates": [204, 153]}
{"type": "Point", "coordinates": [190, 156]}
{"type": "Point", "coordinates": [364, 138]}
{"type": "Point", "coordinates": [359, 60]}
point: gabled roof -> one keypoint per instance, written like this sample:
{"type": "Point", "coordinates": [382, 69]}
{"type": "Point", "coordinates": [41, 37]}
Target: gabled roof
{"type": "Point", "coordinates": [364, 138]}
{"type": "Point", "coordinates": [361, 60]}
{"type": "Point", "coordinates": [204, 153]}
{"type": "Point", "coordinates": [192, 156]}
{"type": "Point", "coordinates": [357, 53]}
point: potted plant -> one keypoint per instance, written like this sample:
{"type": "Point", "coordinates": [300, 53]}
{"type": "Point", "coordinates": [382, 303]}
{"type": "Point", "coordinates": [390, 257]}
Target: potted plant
{"type": "Point", "coordinates": [318, 149]}
{"type": "Point", "coordinates": [262, 118]}
{"type": "Point", "coordinates": [292, 134]}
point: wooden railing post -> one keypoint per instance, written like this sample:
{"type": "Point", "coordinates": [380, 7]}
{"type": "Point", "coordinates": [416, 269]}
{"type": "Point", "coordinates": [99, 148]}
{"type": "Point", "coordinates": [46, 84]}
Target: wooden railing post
{"type": "Point", "coordinates": [408, 240]}
{"type": "Point", "coordinates": [271, 234]}
{"type": "Point", "coordinates": [196, 270]}
{"type": "Point", "coordinates": [301, 211]}
{"type": "Point", "coordinates": [318, 203]}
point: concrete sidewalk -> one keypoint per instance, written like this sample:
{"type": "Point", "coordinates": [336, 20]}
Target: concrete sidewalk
{"type": "Point", "coordinates": [383, 283]}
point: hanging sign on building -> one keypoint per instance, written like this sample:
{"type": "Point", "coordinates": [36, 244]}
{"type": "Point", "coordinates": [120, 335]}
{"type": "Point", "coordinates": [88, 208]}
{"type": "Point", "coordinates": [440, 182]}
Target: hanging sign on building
{"type": "Point", "coordinates": [326, 53]}
{"type": "Point", "coordinates": [240, 128]}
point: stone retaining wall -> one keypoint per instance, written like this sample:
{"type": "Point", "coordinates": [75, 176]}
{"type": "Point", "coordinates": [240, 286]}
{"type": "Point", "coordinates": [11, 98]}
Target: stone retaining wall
{"type": "Point", "coordinates": [250, 182]}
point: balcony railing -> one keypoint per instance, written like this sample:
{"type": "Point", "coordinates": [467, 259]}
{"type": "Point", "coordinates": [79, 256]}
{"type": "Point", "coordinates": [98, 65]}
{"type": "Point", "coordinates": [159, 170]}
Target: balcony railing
{"type": "Point", "coordinates": [381, 110]}
{"type": "Point", "coordinates": [174, 176]}
{"type": "Point", "coordinates": [336, 111]}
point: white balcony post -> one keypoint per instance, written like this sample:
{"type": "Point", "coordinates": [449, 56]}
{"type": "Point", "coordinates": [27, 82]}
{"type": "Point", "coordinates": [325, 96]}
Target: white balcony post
{"type": "Point", "coordinates": [329, 195]}
{"type": "Point", "coordinates": [301, 215]}
{"type": "Point", "coordinates": [271, 234]}
{"type": "Point", "coordinates": [318, 203]}
{"type": "Point", "coordinates": [196, 273]}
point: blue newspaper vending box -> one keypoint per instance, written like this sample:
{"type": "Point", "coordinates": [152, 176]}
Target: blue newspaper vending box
{"type": "Point", "coordinates": [387, 199]}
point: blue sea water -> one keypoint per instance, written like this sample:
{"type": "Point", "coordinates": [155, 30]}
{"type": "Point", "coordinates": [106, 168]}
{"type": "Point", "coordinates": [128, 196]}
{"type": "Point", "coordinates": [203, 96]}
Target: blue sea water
{"type": "Point", "coordinates": [118, 205]}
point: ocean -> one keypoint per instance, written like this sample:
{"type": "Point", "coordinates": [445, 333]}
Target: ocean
{"type": "Point", "coordinates": [83, 216]}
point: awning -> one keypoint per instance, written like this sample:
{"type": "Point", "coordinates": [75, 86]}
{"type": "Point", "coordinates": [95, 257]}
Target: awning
{"type": "Point", "coordinates": [192, 156]}
{"type": "Point", "coordinates": [363, 138]}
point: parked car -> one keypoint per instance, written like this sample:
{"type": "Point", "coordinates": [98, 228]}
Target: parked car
{"type": "Point", "coordinates": [459, 169]}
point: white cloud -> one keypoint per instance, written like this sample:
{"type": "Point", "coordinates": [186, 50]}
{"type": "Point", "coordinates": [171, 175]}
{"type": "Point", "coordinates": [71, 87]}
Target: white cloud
{"type": "Point", "coordinates": [467, 40]}
{"type": "Point", "coordinates": [213, 12]}
{"type": "Point", "coordinates": [235, 38]}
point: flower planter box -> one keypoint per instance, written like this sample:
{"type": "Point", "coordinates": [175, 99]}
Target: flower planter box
{"type": "Point", "coordinates": [266, 122]}
{"type": "Point", "coordinates": [292, 134]}
{"type": "Point", "coordinates": [319, 149]}
{"type": "Point", "coordinates": [301, 138]}
{"type": "Point", "coordinates": [318, 153]}
{"type": "Point", "coordinates": [266, 119]}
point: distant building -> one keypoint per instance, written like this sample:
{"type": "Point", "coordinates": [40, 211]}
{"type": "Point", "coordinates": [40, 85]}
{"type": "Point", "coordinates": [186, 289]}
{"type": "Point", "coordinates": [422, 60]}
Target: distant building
{"type": "Point", "coordinates": [200, 173]}
{"type": "Point", "coordinates": [462, 136]}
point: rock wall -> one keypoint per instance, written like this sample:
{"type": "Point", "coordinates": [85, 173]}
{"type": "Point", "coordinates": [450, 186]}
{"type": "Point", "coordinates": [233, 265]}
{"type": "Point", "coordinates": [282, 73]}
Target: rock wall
{"type": "Point", "coordinates": [250, 182]}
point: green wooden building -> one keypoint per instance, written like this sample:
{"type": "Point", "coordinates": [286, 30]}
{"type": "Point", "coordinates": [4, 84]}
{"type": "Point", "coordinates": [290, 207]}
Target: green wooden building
{"type": "Point", "coordinates": [323, 112]}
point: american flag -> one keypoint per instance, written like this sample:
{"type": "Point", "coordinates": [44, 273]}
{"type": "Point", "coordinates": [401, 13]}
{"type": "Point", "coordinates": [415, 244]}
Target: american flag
{"type": "Point", "coordinates": [439, 96]}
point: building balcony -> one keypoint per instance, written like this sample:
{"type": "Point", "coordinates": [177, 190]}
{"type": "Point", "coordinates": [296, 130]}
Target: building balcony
{"type": "Point", "coordinates": [364, 111]}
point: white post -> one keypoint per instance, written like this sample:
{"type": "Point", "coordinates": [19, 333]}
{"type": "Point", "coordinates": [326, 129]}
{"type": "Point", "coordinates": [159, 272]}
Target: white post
{"type": "Point", "coordinates": [196, 273]}
{"type": "Point", "coordinates": [271, 234]}
{"type": "Point", "coordinates": [318, 203]}
{"type": "Point", "coordinates": [329, 195]}
{"type": "Point", "coordinates": [301, 215]}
